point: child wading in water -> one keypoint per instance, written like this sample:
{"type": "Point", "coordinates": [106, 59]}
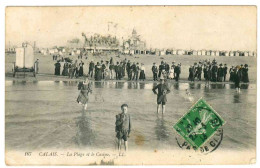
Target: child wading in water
{"type": "Point", "coordinates": [123, 127]}
{"type": "Point", "coordinates": [85, 89]}
{"type": "Point", "coordinates": [163, 89]}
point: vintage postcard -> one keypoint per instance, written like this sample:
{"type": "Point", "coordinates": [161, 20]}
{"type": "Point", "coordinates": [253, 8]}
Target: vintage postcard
{"type": "Point", "coordinates": [130, 85]}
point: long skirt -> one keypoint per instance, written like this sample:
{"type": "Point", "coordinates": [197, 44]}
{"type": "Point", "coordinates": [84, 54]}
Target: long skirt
{"type": "Point", "coordinates": [83, 97]}
{"type": "Point", "coordinates": [142, 75]}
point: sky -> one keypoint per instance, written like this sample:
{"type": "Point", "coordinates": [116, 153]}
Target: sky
{"type": "Point", "coordinates": [177, 27]}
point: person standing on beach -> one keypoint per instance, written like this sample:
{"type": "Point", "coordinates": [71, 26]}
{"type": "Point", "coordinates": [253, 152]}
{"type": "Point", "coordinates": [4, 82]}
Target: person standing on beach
{"type": "Point", "coordinates": [57, 68]}
{"type": "Point", "coordinates": [163, 89]}
{"type": "Point", "coordinates": [81, 70]}
{"type": "Point", "coordinates": [36, 66]}
{"type": "Point", "coordinates": [117, 70]}
{"type": "Point", "coordinates": [177, 71]}
{"type": "Point", "coordinates": [85, 89]}
{"type": "Point", "coordinates": [123, 127]}
{"type": "Point", "coordinates": [112, 71]}
{"type": "Point", "coordinates": [155, 71]}
{"type": "Point", "coordinates": [91, 69]}
{"type": "Point", "coordinates": [237, 78]}
{"type": "Point", "coordinates": [225, 71]}
{"type": "Point", "coordinates": [128, 67]}
{"type": "Point", "coordinates": [142, 72]}
{"type": "Point", "coordinates": [161, 68]}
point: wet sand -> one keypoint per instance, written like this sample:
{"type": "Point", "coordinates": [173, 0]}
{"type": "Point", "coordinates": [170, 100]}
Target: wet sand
{"type": "Point", "coordinates": [44, 114]}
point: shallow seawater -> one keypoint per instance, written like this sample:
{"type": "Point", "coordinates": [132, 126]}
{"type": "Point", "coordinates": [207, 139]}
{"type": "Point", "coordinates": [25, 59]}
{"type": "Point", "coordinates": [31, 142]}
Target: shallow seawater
{"type": "Point", "coordinates": [45, 114]}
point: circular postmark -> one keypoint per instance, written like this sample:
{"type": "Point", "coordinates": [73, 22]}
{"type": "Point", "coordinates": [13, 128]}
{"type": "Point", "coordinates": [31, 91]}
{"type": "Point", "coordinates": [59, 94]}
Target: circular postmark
{"type": "Point", "coordinates": [211, 145]}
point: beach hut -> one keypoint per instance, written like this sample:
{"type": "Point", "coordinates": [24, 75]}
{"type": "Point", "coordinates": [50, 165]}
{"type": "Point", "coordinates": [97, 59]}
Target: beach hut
{"type": "Point", "coordinates": [208, 53]}
{"type": "Point", "coordinates": [180, 52]}
{"type": "Point", "coordinates": [168, 52]}
{"type": "Point", "coordinates": [217, 53]}
{"type": "Point", "coordinates": [226, 53]}
{"type": "Point", "coordinates": [237, 53]}
{"type": "Point", "coordinates": [231, 53]}
{"type": "Point", "coordinates": [203, 52]}
{"type": "Point", "coordinates": [213, 53]}
{"type": "Point", "coordinates": [174, 52]}
{"type": "Point", "coordinates": [195, 53]}
{"type": "Point", "coordinates": [254, 54]}
{"type": "Point", "coordinates": [24, 61]}
{"type": "Point", "coordinates": [162, 52]}
{"type": "Point", "coordinates": [146, 52]}
{"type": "Point", "coordinates": [246, 53]}
{"type": "Point", "coordinates": [199, 52]}
{"type": "Point", "coordinates": [157, 52]}
{"type": "Point", "coordinates": [132, 52]}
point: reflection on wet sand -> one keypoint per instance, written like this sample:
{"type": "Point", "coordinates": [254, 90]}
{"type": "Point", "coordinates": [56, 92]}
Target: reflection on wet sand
{"type": "Point", "coordinates": [31, 105]}
{"type": "Point", "coordinates": [161, 130]}
{"type": "Point", "coordinates": [192, 85]}
{"type": "Point", "coordinates": [85, 135]}
{"type": "Point", "coordinates": [119, 85]}
{"type": "Point", "coordinates": [236, 98]}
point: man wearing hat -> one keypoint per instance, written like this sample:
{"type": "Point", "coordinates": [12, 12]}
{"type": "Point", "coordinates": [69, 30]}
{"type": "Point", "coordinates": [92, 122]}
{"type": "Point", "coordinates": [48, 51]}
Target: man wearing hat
{"type": "Point", "coordinates": [177, 71]}
{"type": "Point", "coordinates": [245, 74]}
{"type": "Point", "coordinates": [241, 69]}
{"type": "Point", "coordinates": [128, 70]}
{"type": "Point", "coordinates": [163, 89]}
{"type": "Point", "coordinates": [155, 71]}
{"type": "Point", "coordinates": [225, 71]}
{"type": "Point", "coordinates": [91, 68]}
{"type": "Point", "coordinates": [220, 73]}
{"type": "Point", "coordinates": [237, 78]}
{"type": "Point", "coordinates": [214, 72]}
{"type": "Point", "coordinates": [161, 67]}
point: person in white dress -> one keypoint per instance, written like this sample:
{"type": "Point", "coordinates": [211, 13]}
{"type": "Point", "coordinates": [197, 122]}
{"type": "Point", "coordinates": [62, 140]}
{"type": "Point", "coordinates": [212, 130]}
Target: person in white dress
{"type": "Point", "coordinates": [171, 73]}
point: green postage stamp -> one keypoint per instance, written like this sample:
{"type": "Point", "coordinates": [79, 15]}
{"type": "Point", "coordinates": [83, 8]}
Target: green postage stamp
{"type": "Point", "coordinates": [199, 124]}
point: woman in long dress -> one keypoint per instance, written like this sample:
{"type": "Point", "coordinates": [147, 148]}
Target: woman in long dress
{"type": "Point", "coordinates": [171, 73]}
{"type": "Point", "coordinates": [142, 72]}
{"type": "Point", "coordinates": [85, 88]}
{"type": "Point", "coordinates": [98, 72]}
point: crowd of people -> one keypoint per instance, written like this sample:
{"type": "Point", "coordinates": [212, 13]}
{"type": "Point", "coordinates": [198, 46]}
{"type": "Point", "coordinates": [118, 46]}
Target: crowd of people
{"type": "Point", "coordinates": [212, 71]}
{"type": "Point", "coordinates": [126, 69]}
{"type": "Point", "coordinates": [69, 68]}
{"type": "Point", "coordinates": [165, 71]}
{"type": "Point", "coordinates": [111, 70]}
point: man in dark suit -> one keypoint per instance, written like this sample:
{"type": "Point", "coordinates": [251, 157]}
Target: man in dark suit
{"type": "Point", "coordinates": [225, 71]}
{"type": "Point", "coordinates": [155, 71]}
{"type": "Point", "coordinates": [134, 71]}
{"type": "Point", "coordinates": [163, 89]}
{"type": "Point", "coordinates": [91, 68]}
{"type": "Point", "coordinates": [177, 71]}
{"type": "Point", "coordinates": [161, 67]}
{"type": "Point", "coordinates": [117, 70]}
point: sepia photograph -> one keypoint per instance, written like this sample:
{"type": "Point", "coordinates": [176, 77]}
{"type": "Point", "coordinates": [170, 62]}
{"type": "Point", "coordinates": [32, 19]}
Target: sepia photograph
{"type": "Point", "coordinates": [130, 85]}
